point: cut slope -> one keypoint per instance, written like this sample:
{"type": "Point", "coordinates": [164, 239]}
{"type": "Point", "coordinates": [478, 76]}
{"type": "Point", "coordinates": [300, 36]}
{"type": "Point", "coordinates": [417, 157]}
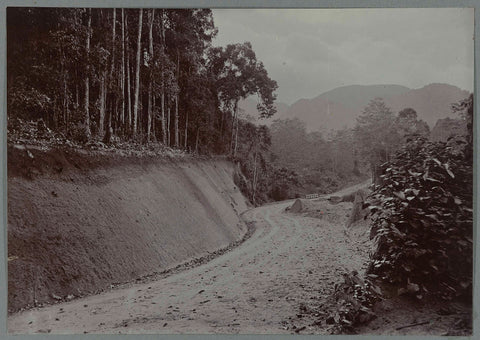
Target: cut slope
{"type": "Point", "coordinates": [83, 223]}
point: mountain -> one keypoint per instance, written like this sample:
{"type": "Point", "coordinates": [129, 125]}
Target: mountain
{"type": "Point", "coordinates": [355, 96]}
{"type": "Point", "coordinates": [432, 102]}
{"type": "Point", "coordinates": [341, 106]}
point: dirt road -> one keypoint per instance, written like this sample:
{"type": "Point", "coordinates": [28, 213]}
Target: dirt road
{"type": "Point", "coordinates": [258, 287]}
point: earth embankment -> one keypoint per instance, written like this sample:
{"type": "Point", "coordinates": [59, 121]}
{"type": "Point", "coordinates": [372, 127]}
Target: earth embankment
{"type": "Point", "coordinates": [80, 222]}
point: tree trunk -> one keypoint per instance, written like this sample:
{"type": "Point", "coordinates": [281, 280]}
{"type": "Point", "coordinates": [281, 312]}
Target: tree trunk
{"type": "Point", "coordinates": [222, 132]}
{"type": "Point", "coordinates": [186, 131]}
{"type": "Point", "coordinates": [164, 128]}
{"type": "Point", "coordinates": [162, 30]}
{"type": "Point", "coordinates": [137, 72]}
{"type": "Point", "coordinates": [168, 125]}
{"type": "Point", "coordinates": [87, 80]}
{"type": "Point", "coordinates": [153, 119]}
{"type": "Point", "coordinates": [236, 140]}
{"type": "Point", "coordinates": [122, 86]}
{"type": "Point", "coordinates": [177, 142]}
{"type": "Point", "coordinates": [150, 84]}
{"type": "Point", "coordinates": [129, 95]}
{"type": "Point", "coordinates": [197, 140]}
{"type": "Point", "coordinates": [254, 184]}
{"type": "Point", "coordinates": [112, 68]}
{"type": "Point", "coordinates": [65, 97]}
{"type": "Point", "coordinates": [234, 137]}
{"type": "Point", "coordinates": [110, 95]}
{"type": "Point", "coordinates": [103, 94]}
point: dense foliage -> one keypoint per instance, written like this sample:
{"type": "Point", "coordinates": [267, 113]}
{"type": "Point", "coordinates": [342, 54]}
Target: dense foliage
{"type": "Point", "coordinates": [353, 303]}
{"type": "Point", "coordinates": [139, 75]}
{"type": "Point", "coordinates": [422, 219]}
{"type": "Point", "coordinates": [379, 133]}
{"type": "Point", "coordinates": [322, 163]}
{"type": "Point", "coordinates": [265, 180]}
{"type": "Point", "coordinates": [111, 77]}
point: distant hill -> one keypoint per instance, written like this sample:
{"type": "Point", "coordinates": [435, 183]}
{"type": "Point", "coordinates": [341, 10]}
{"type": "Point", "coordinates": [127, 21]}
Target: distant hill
{"type": "Point", "coordinates": [432, 102]}
{"type": "Point", "coordinates": [341, 106]}
{"type": "Point", "coordinates": [355, 96]}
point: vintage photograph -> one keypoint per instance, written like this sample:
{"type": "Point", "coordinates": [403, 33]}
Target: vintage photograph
{"type": "Point", "coordinates": [240, 171]}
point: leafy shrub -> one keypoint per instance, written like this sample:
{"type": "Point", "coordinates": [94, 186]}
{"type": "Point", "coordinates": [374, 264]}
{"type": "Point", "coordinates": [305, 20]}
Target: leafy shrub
{"type": "Point", "coordinates": [353, 303]}
{"type": "Point", "coordinates": [422, 219]}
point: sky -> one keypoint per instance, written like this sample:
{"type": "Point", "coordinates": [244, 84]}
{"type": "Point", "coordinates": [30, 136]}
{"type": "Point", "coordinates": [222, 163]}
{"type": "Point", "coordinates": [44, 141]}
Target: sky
{"type": "Point", "coordinates": [311, 51]}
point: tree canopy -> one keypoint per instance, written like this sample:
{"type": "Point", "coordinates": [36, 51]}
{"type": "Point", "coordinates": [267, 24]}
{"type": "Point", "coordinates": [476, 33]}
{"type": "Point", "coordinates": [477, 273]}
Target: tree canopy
{"type": "Point", "coordinates": [131, 75]}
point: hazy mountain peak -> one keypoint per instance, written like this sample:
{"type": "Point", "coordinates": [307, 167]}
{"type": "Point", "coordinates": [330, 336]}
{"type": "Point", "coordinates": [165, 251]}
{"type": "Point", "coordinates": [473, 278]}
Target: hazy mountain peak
{"type": "Point", "coordinates": [339, 107]}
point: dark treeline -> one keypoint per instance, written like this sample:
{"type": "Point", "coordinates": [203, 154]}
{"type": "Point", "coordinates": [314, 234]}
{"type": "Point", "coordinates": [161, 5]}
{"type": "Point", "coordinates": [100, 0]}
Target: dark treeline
{"type": "Point", "coordinates": [153, 76]}
{"type": "Point", "coordinates": [139, 75]}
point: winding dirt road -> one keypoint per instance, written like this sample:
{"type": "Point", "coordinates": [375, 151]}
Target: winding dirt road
{"type": "Point", "coordinates": [258, 287]}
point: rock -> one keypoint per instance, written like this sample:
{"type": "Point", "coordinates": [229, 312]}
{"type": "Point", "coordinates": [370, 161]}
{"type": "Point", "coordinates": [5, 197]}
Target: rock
{"type": "Point", "coordinates": [357, 211]}
{"type": "Point", "coordinates": [56, 297]}
{"type": "Point", "coordinates": [335, 199]}
{"type": "Point", "coordinates": [44, 331]}
{"type": "Point", "coordinates": [413, 287]}
{"type": "Point", "coordinates": [297, 206]}
{"type": "Point", "coordinates": [298, 330]}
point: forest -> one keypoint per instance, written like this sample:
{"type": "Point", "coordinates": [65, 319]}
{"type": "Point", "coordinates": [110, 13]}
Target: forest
{"type": "Point", "coordinates": [140, 75]}
{"type": "Point", "coordinates": [152, 77]}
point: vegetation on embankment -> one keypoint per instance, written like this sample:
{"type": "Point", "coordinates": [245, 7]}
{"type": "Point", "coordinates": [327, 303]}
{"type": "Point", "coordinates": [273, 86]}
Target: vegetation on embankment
{"type": "Point", "coordinates": [134, 77]}
{"type": "Point", "coordinates": [80, 221]}
{"type": "Point", "coordinates": [422, 229]}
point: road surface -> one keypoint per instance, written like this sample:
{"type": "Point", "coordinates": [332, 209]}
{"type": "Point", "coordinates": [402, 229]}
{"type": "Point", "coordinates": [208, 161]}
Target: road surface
{"type": "Point", "coordinates": [259, 287]}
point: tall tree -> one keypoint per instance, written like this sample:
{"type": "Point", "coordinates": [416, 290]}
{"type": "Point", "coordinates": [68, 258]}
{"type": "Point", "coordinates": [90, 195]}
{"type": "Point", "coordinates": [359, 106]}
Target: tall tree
{"type": "Point", "coordinates": [408, 124]}
{"type": "Point", "coordinates": [122, 68]}
{"type": "Point", "coordinates": [87, 79]}
{"type": "Point", "coordinates": [163, 73]}
{"type": "Point", "coordinates": [137, 72]}
{"type": "Point", "coordinates": [111, 96]}
{"type": "Point", "coordinates": [376, 134]}
{"type": "Point", "coordinates": [150, 84]}
{"type": "Point", "coordinates": [190, 35]}
{"type": "Point", "coordinates": [177, 142]}
{"type": "Point", "coordinates": [129, 96]}
{"type": "Point", "coordinates": [240, 75]}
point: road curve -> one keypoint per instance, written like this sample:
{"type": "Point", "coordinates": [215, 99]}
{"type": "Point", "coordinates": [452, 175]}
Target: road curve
{"type": "Point", "coordinates": [257, 287]}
